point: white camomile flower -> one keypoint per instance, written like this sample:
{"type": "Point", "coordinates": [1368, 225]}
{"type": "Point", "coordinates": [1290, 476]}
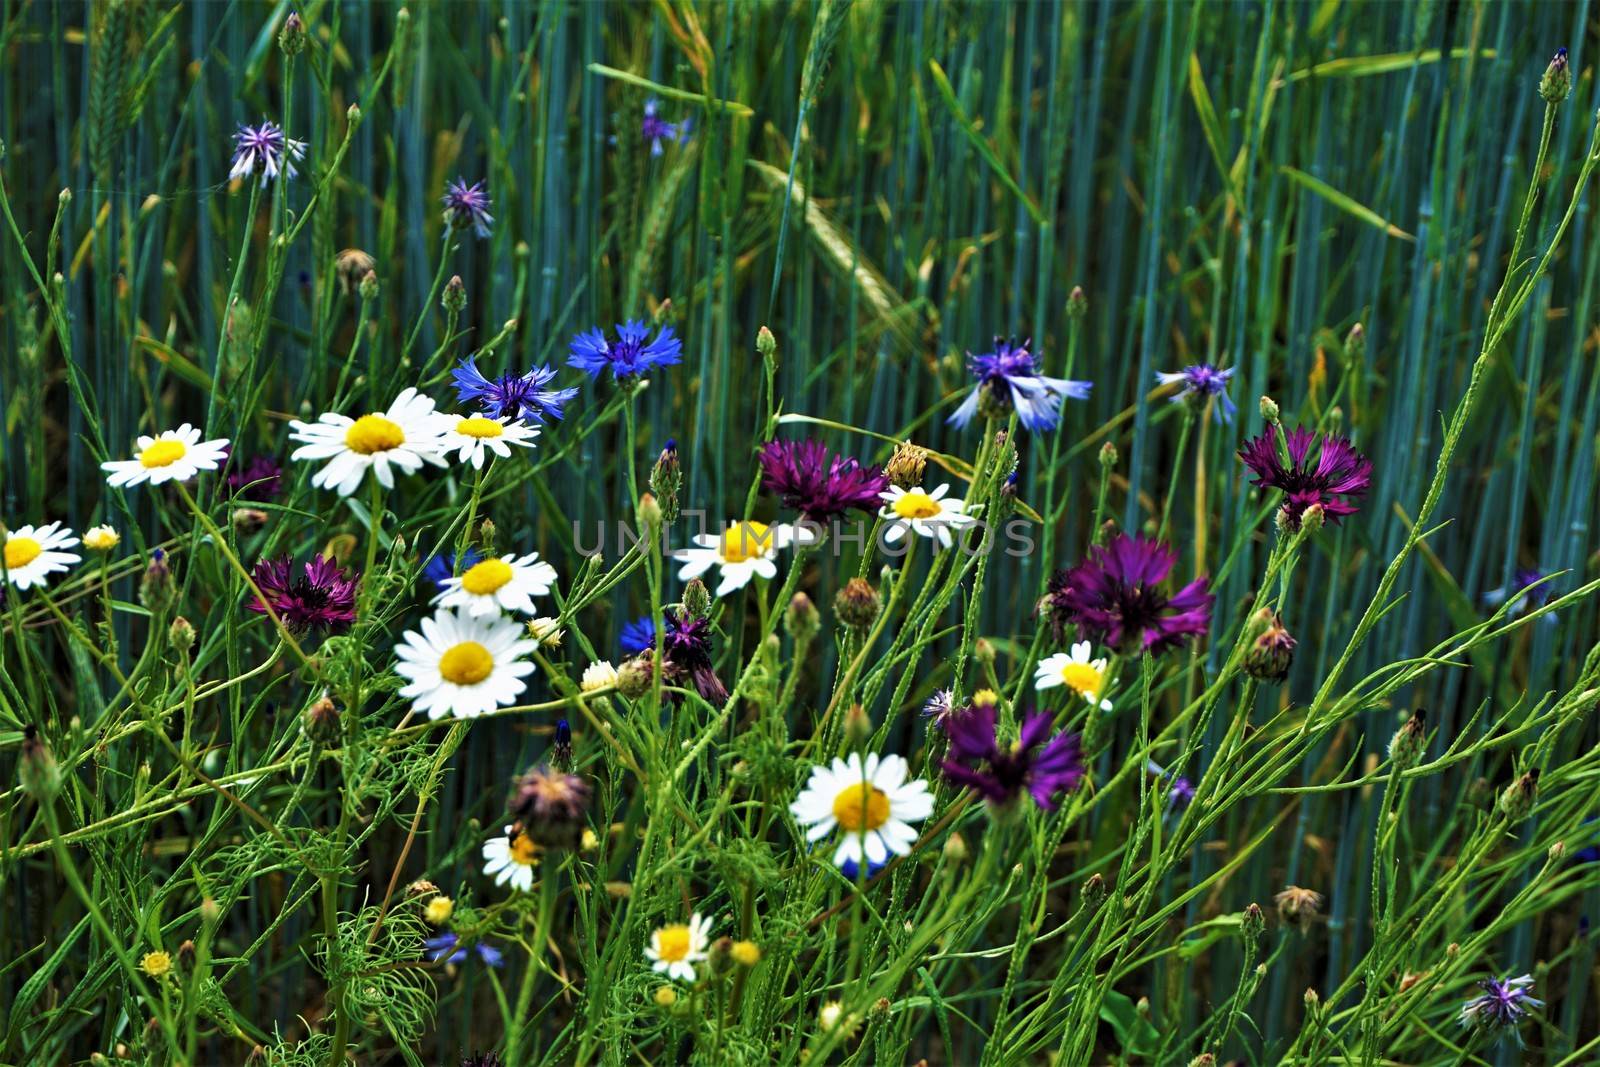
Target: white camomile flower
{"type": "Point", "coordinates": [33, 553]}
{"type": "Point", "coordinates": [508, 583]}
{"type": "Point", "coordinates": [101, 539]}
{"type": "Point", "coordinates": [675, 948]}
{"type": "Point", "coordinates": [470, 436]}
{"type": "Point", "coordinates": [598, 675]}
{"type": "Point", "coordinates": [462, 665]}
{"type": "Point", "coordinates": [871, 802]}
{"type": "Point", "coordinates": [404, 437]}
{"type": "Point", "coordinates": [742, 551]}
{"type": "Point", "coordinates": [927, 514]}
{"type": "Point", "coordinates": [1077, 670]}
{"type": "Point", "coordinates": [171, 456]}
{"type": "Point", "coordinates": [510, 858]}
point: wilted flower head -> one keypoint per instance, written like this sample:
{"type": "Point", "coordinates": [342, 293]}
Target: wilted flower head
{"type": "Point", "coordinates": [1009, 378]}
{"type": "Point", "coordinates": [264, 150]}
{"type": "Point", "coordinates": [817, 483]}
{"type": "Point", "coordinates": [1336, 480]}
{"type": "Point", "coordinates": [551, 806]}
{"type": "Point", "coordinates": [1297, 907]}
{"type": "Point", "coordinates": [1501, 1005]}
{"type": "Point", "coordinates": [319, 597]}
{"type": "Point", "coordinates": [511, 396]}
{"type": "Point", "coordinates": [633, 353]}
{"type": "Point", "coordinates": [657, 131]}
{"type": "Point", "coordinates": [259, 478]}
{"type": "Point", "coordinates": [351, 265]}
{"type": "Point", "coordinates": [1040, 767]}
{"type": "Point", "coordinates": [1271, 651]}
{"type": "Point", "coordinates": [1200, 383]}
{"type": "Point", "coordinates": [467, 205]}
{"type": "Point", "coordinates": [1114, 597]}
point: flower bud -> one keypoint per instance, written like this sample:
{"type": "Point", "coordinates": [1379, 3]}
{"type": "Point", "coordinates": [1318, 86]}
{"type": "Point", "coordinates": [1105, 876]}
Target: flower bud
{"type": "Point", "coordinates": [455, 295]}
{"type": "Point", "coordinates": [697, 599]}
{"type": "Point", "coordinates": [1408, 742]}
{"type": "Point", "coordinates": [666, 477]}
{"type": "Point", "coordinates": [802, 620]}
{"type": "Point", "coordinates": [745, 953]}
{"type": "Point", "coordinates": [1355, 342]}
{"type": "Point", "coordinates": [247, 521]}
{"type": "Point", "coordinates": [766, 344]}
{"type": "Point", "coordinates": [857, 726]}
{"type": "Point", "coordinates": [1556, 84]}
{"type": "Point", "coordinates": [635, 676]}
{"type": "Point", "coordinates": [421, 888]}
{"type": "Point", "coordinates": [323, 723]}
{"type": "Point", "coordinates": [1313, 518]}
{"type": "Point", "coordinates": [1252, 923]}
{"type": "Point", "coordinates": [650, 514]}
{"type": "Point", "coordinates": [1077, 303]}
{"type": "Point", "coordinates": [1108, 456]}
{"type": "Point", "coordinates": [1272, 651]}
{"type": "Point", "coordinates": [292, 37]}
{"type": "Point", "coordinates": [40, 776]}
{"type": "Point", "coordinates": [350, 266]}
{"type": "Point", "coordinates": [665, 996]}
{"type": "Point", "coordinates": [1269, 410]}
{"type": "Point", "coordinates": [905, 467]}
{"type": "Point", "coordinates": [1205, 1059]}
{"type": "Point", "coordinates": [546, 631]}
{"type": "Point", "coordinates": [1556, 851]}
{"type": "Point", "coordinates": [857, 605]}
{"type": "Point", "coordinates": [955, 848]}
{"type": "Point", "coordinates": [181, 635]}
{"type": "Point", "coordinates": [156, 589]}
{"type": "Point", "coordinates": [1094, 891]}
{"type": "Point", "coordinates": [369, 285]}
{"type": "Point", "coordinates": [186, 953]}
{"type": "Point", "coordinates": [1311, 998]}
{"type": "Point", "coordinates": [486, 535]}
{"type": "Point", "coordinates": [1516, 800]}
{"type": "Point", "coordinates": [561, 746]}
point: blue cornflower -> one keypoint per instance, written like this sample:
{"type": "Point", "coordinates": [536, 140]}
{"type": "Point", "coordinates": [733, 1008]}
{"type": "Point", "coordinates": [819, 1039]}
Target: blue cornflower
{"type": "Point", "coordinates": [265, 150]}
{"type": "Point", "coordinates": [441, 566]}
{"type": "Point", "coordinates": [657, 130]}
{"type": "Point", "coordinates": [1522, 592]}
{"type": "Point", "coordinates": [511, 396]}
{"type": "Point", "coordinates": [447, 947]}
{"type": "Point", "coordinates": [632, 354]}
{"type": "Point", "coordinates": [467, 205]}
{"type": "Point", "coordinates": [638, 635]}
{"type": "Point", "coordinates": [1501, 1006]}
{"type": "Point", "coordinates": [1200, 383]}
{"type": "Point", "coordinates": [1180, 791]}
{"type": "Point", "coordinates": [1009, 378]}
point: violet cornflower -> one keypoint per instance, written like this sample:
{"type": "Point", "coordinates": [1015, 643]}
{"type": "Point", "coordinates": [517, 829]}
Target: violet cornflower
{"type": "Point", "coordinates": [686, 647]}
{"type": "Point", "coordinates": [657, 131]}
{"type": "Point", "coordinates": [633, 353]}
{"type": "Point", "coordinates": [448, 948]}
{"type": "Point", "coordinates": [320, 597]}
{"type": "Point", "coordinates": [265, 150]}
{"type": "Point", "coordinates": [1200, 383]}
{"type": "Point", "coordinates": [638, 635]}
{"type": "Point", "coordinates": [1502, 1004]}
{"type": "Point", "coordinates": [1008, 378]}
{"type": "Point", "coordinates": [817, 483]}
{"type": "Point", "coordinates": [1337, 479]}
{"type": "Point", "coordinates": [1521, 591]}
{"type": "Point", "coordinates": [511, 396]}
{"type": "Point", "coordinates": [1000, 774]}
{"type": "Point", "coordinates": [939, 707]}
{"type": "Point", "coordinates": [1114, 597]}
{"type": "Point", "coordinates": [467, 206]}
{"type": "Point", "coordinates": [259, 478]}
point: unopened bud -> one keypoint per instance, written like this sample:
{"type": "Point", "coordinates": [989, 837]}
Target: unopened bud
{"type": "Point", "coordinates": [39, 774]}
{"type": "Point", "coordinates": [181, 635]}
{"type": "Point", "coordinates": [1252, 922]}
{"type": "Point", "coordinates": [857, 726]}
{"type": "Point", "coordinates": [248, 520]}
{"type": "Point", "coordinates": [486, 534]}
{"type": "Point", "coordinates": [635, 676]}
{"type": "Point", "coordinates": [1516, 800]}
{"type": "Point", "coordinates": [955, 848]}
{"type": "Point", "coordinates": [906, 466]}
{"type": "Point", "coordinates": [1094, 891]}
{"type": "Point", "coordinates": [1272, 651]}
{"type": "Point", "coordinates": [766, 344]}
{"type": "Point", "coordinates": [1408, 742]}
{"type": "Point", "coordinates": [156, 588]}
{"type": "Point", "coordinates": [802, 620]}
{"type": "Point", "coordinates": [1077, 303]}
{"type": "Point", "coordinates": [323, 723]}
{"type": "Point", "coordinates": [697, 598]}
{"type": "Point", "coordinates": [1269, 410]}
{"type": "Point", "coordinates": [1556, 84]}
{"type": "Point", "coordinates": [368, 288]}
{"type": "Point", "coordinates": [649, 514]}
{"type": "Point", "coordinates": [1108, 456]}
{"type": "Point", "coordinates": [455, 295]}
{"type": "Point", "coordinates": [665, 479]}
{"type": "Point", "coordinates": [292, 37]}
{"type": "Point", "coordinates": [1355, 342]}
{"type": "Point", "coordinates": [857, 605]}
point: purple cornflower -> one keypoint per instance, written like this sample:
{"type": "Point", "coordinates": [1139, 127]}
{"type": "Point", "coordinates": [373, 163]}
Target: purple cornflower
{"type": "Point", "coordinates": [441, 566]}
{"type": "Point", "coordinates": [638, 635]}
{"type": "Point", "coordinates": [448, 948]}
{"type": "Point", "coordinates": [632, 354]}
{"type": "Point", "coordinates": [467, 205]}
{"type": "Point", "coordinates": [259, 478]}
{"type": "Point", "coordinates": [1521, 592]}
{"type": "Point", "coordinates": [686, 647]}
{"type": "Point", "coordinates": [1009, 378]}
{"type": "Point", "coordinates": [1180, 791]}
{"type": "Point", "coordinates": [818, 484]}
{"type": "Point", "coordinates": [1201, 382]}
{"type": "Point", "coordinates": [1114, 598]}
{"type": "Point", "coordinates": [1339, 472]}
{"type": "Point", "coordinates": [1042, 768]}
{"type": "Point", "coordinates": [1501, 1005]}
{"type": "Point", "coordinates": [657, 130]}
{"type": "Point", "coordinates": [939, 707]}
{"type": "Point", "coordinates": [264, 150]}
{"type": "Point", "coordinates": [321, 597]}
{"type": "Point", "coordinates": [511, 396]}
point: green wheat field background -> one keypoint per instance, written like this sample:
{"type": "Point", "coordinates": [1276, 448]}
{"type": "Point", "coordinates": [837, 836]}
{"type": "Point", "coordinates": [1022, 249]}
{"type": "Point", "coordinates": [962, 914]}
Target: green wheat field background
{"type": "Point", "coordinates": [1338, 820]}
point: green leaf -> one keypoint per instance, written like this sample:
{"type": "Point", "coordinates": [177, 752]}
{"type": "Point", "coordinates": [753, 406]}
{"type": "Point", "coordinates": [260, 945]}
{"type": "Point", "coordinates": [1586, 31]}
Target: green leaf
{"type": "Point", "coordinates": [731, 106]}
{"type": "Point", "coordinates": [1364, 66]}
{"type": "Point", "coordinates": [949, 96]}
{"type": "Point", "coordinates": [1344, 203]}
{"type": "Point", "coordinates": [1136, 1034]}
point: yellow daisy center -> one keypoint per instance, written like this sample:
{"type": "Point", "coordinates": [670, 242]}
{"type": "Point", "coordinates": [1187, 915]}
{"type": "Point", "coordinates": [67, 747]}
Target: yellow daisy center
{"type": "Point", "coordinates": [374, 433]}
{"type": "Point", "coordinates": [986, 696]}
{"type": "Point", "coordinates": [861, 807]}
{"type": "Point", "coordinates": [21, 551]}
{"type": "Point", "coordinates": [1081, 678]}
{"type": "Point", "coordinates": [484, 578]}
{"type": "Point", "coordinates": [163, 453]}
{"type": "Point", "coordinates": [917, 505]}
{"type": "Point", "coordinates": [156, 964]}
{"type": "Point", "coordinates": [672, 943]}
{"type": "Point", "coordinates": [466, 664]}
{"type": "Point", "coordinates": [745, 540]}
{"type": "Point", "coordinates": [523, 850]}
{"type": "Point", "coordinates": [480, 427]}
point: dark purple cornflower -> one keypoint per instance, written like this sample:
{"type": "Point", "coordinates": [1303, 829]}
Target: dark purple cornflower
{"type": "Point", "coordinates": [259, 478]}
{"type": "Point", "coordinates": [686, 648]}
{"type": "Point", "coordinates": [818, 484]}
{"type": "Point", "coordinates": [1009, 378]}
{"type": "Point", "coordinates": [638, 635]}
{"type": "Point", "coordinates": [1114, 597]}
{"type": "Point", "coordinates": [1521, 591]}
{"type": "Point", "coordinates": [447, 947]}
{"type": "Point", "coordinates": [1502, 1004]}
{"type": "Point", "coordinates": [551, 806]}
{"type": "Point", "coordinates": [511, 396]}
{"type": "Point", "coordinates": [1200, 383]}
{"type": "Point", "coordinates": [657, 131]}
{"type": "Point", "coordinates": [319, 597]}
{"type": "Point", "coordinates": [1336, 480]}
{"type": "Point", "coordinates": [633, 353]}
{"type": "Point", "coordinates": [1039, 767]}
{"type": "Point", "coordinates": [264, 150]}
{"type": "Point", "coordinates": [467, 206]}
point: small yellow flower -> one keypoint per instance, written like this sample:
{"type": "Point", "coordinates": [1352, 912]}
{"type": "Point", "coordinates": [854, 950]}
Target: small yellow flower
{"type": "Point", "coordinates": [101, 539]}
{"type": "Point", "coordinates": [438, 910]}
{"type": "Point", "coordinates": [745, 953]}
{"type": "Point", "coordinates": [156, 964]}
{"type": "Point", "coordinates": [665, 996]}
{"type": "Point", "coordinates": [589, 842]}
{"type": "Point", "coordinates": [986, 696]}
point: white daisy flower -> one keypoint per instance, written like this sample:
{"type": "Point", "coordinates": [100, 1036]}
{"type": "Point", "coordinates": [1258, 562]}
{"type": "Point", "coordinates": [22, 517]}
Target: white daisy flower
{"type": "Point", "coordinates": [463, 666]}
{"type": "Point", "coordinates": [404, 437]}
{"type": "Point", "coordinates": [508, 583]}
{"type": "Point", "coordinates": [174, 455]}
{"type": "Point", "coordinates": [469, 436]}
{"type": "Point", "coordinates": [928, 514]}
{"type": "Point", "coordinates": [1076, 670]}
{"type": "Point", "coordinates": [872, 803]}
{"type": "Point", "coordinates": [675, 949]}
{"type": "Point", "coordinates": [743, 550]}
{"type": "Point", "coordinates": [34, 552]}
{"type": "Point", "coordinates": [510, 858]}
{"type": "Point", "coordinates": [598, 675]}
{"type": "Point", "coordinates": [101, 539]}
